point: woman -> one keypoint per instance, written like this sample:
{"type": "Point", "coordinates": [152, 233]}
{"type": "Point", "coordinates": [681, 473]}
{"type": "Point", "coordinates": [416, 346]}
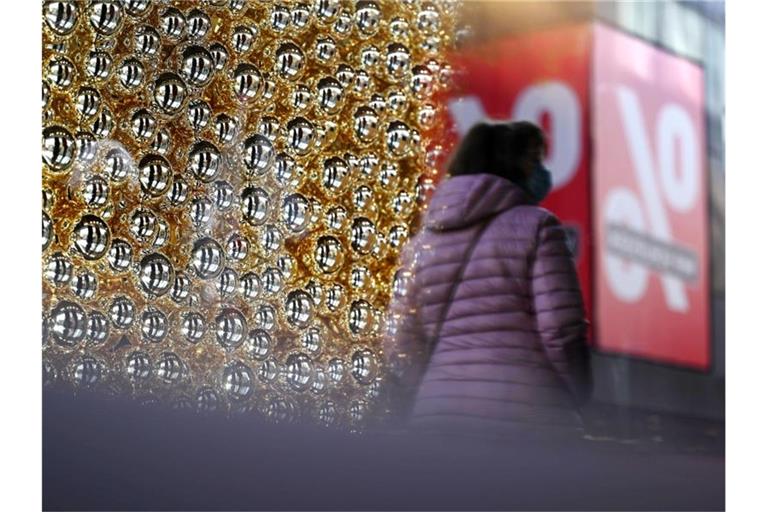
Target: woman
{"type": "Point", "coordinates": [490, 306]}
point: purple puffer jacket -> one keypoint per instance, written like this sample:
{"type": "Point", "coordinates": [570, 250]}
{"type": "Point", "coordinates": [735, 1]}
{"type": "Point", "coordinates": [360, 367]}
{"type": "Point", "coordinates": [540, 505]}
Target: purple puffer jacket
{"type": "Point", "coordinates": [511, 355]}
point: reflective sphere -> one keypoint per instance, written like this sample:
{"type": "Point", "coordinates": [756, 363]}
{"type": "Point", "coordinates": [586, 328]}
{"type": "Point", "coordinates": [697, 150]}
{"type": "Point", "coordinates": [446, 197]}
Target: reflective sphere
{"type": "Point", "coordinates": [98, 328]}
{"type": "Point", "coordinates": [298, 308]}
{"type": "Point", "coordinates": [238, 381]}
{"type": "Point", "coordinates": [250, 285]}
{"type": "Point", "coordinates": [279, 18]}
{"type": "Point", "coordinates": [334, 298]}
{"type": "Point", "coordinates": [330, 94]}
{"type": "Point", "coordinates": [360, 317]}
{"type": "Point", "coordinates": [311, 340]}
{"type": "Point", "coordinates": [197, 66]}
{"type": "Point", "coordinates": [360, 278]}
{"type": "Point", "coordinates": [138, 366]}
{"type": "Point", "coordinates": [226, 129]}
{"type": "Point", "coordinates": [131, 73]}
{"type": "Point", "coordinates": [198, 114]}
{"type": "Point", "coordinates": [60, 73]}
{"type": "Point", "coordinates": [298, 371]}
{"type": "Point", "coordinates": [289, 60]}
{"type": "Point", "coordinates": [155, 175]}
{"type": "Point", "coordinates": [242, 39]}
{"type": "Point", "coordinates": [121, 312]}
{"type": "Point", "coordinates": [259, 344]}
{"type": "Point", "coordinates": [154, 325]}
{"type": "Point", "coordinates": [61, 17]}
{"type": "Point", "coordinates": [58, 148]}
{"type": "Point", "coordinates": [87, 102]}
{"type": "Point", "coordinates": [181, 287]}
{"type": "Point", "coordinates": [286, 264]}
{"type": "Point", "coordinates": [120, 255]}
{"type": "Point", "coordinates": [301, 136]}
{"type": "Point", "coordinates": [255, 205]}
{"type": "Point", "coordinates": [231, 328]}
{"type": "Point", "coordinates": [87, 371]}
{"type": "Point", "coordinates": [177, 194]}
{"type": "Point", "coordinates": [227, 282]}
{"type": "Point", "coordinates": [172, 23]}
{"type": "Point", "coordinates": [68, 323]}
{"type": "Point", "coordinates": [343, 24]}
{"type": "Point", "coordinates": [335, 217]}
{"type": "Point", "coordinates": [265, 317]}
{"type": "Point", "coordinates": [335, 172]}
{"type": "Point", "coordinates": [220, 55]}
{"type": "Point", "coordinates": [169, 93]}
{"type": "Point", "coordinates": [325, 50]}
{"type": "Point", "coordinates": [272, 280]}
{"type": "Point", "coordinates": [91, 237]}
{"type": "Point", "coordinates": [268, 127]}
{"type": "Point", "coordinates": [258, 154]}
{"type": "Point", "coordinates": [319, 381]}
{"type": "Point", "coordinates": [143, 224]}
{"type": "Point", "coordinates": [224, 195]}
{"type": "Point", "coordinates": [200, 212]}
{"type": "Point", "coordinates": [301, 96]}
{"type": "Point", "coordinates": [170, 368]}
{"type": "Point", "coordinates": [47, 231]}
{"type": "Point", "coordinates": [117, 165]}
{"type": "Point", "coordinates": [268, 370]}
{"type": "Point", "coordinates": [247, 82]}
{"type": "Point", "coordinates": [162, 142]}
{"type": "Point", "coordinates": [363, 235]}
{"type": "Point", "coordinates": [204, 161]}
{"type": "Point", "coordinates": [207, 258]}
{"type": "Point", "coordinates": [198, 24]}
{"type": "Point", "coordinates": [367, 17]}
{"type": "Point", "coordinates": [147, 41]}
{"type": "Point", "coordinates": [286, 172]}
{"type": "Point", "coordinates": [105, 17]}
{"type": "Point", "coordinates": [366, 123]}
{"type": "Point", "coordinates": [237, 247]}
{"type": "Point", "coordinates": [328, 254]}
{"type": "Point", "coordinates": [336, 370]}
{"type": "Point", "coordinates": [84, 285]}
{"type": "Point", "coordinates": [192, 327]}
{"type": "Point", "coordinates": [363, 366]}
{"type": "Point", "coordinates": [99, 65]}
{"type": "Point", "coordinates": [399, 139]}
{"type": "Point", "coordinates": [296, 212]}
{"type": "Point", "coordinates": [58, 269]}
{"type": "Point", "coordinates": [86, 147]}
{"type": "Point", "coordinates": [156, 274]}
{"type": "Point", "coordinates": [327, 10]}
{"type": "Point", "coordinates": [103, 124]}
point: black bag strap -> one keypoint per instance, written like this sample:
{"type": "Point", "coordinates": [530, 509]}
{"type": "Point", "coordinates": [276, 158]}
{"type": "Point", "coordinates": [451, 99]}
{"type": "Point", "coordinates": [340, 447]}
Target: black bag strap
{"type": "Point", "coordinates": [455, 285]}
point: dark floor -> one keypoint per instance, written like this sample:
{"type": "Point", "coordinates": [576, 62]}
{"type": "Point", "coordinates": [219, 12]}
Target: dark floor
{"type": "Point", "coordinates": [110, 455]}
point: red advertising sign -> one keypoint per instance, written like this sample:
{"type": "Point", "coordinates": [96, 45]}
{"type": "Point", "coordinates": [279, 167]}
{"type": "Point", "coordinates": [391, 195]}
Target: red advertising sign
{"type": "Point", "coordinates": [650, 197]}
{"type": "Point", "coordinates": [541, 77]}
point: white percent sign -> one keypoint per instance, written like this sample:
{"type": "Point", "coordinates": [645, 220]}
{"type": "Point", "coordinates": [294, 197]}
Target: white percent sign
{"type": "Point", "coordinates": [679, 187]}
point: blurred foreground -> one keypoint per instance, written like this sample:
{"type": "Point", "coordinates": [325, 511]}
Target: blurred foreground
{"type": "Point", "coordinates": [107, 454]}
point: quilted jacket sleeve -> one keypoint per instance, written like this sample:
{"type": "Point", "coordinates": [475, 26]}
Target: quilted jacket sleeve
{"type": "Point", "coordinates": [559, 308]}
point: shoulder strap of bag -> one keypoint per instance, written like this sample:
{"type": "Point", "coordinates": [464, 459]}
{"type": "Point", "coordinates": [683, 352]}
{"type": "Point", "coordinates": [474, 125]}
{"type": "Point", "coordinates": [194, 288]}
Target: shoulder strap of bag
{"type": "Point", "coordinates": [455, 285]}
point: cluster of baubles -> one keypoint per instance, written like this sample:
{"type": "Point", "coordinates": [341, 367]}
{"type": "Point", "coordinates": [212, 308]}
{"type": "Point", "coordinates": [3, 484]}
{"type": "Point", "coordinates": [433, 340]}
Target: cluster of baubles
{"type": "Point", "coordinates": [226, 188]}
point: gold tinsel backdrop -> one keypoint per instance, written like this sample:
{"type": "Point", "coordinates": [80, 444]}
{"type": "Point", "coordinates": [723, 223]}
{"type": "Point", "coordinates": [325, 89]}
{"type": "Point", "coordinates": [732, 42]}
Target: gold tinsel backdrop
{"type": "Point", "coordinates": [226, 188]}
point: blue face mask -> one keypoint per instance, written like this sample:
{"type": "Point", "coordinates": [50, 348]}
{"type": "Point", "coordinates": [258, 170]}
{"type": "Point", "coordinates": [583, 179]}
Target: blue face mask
{"type": "Point", "coordinates": [539, 183]}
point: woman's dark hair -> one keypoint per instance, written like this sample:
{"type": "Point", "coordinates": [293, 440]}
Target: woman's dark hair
{"type": "Point", "coordinates": [496, 148]}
